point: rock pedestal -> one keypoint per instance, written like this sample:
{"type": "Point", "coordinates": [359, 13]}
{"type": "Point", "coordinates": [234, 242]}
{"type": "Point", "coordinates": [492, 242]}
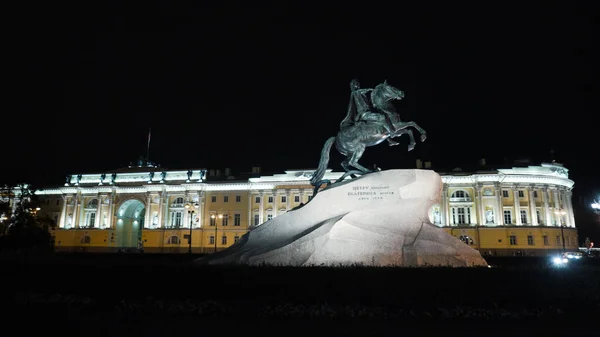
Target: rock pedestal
{"type": "Point", "coordinates": [380, 219]}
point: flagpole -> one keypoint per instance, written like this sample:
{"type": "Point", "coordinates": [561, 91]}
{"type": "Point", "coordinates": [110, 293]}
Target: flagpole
{"type": "Point", "coordinates": [148, 150]}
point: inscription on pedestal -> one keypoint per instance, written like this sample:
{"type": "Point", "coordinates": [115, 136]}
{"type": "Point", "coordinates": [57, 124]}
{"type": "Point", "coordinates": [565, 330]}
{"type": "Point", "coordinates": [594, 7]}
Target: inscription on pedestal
{"type": "Point", "coordinates": [366, 192]}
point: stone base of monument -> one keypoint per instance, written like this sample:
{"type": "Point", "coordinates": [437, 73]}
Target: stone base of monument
{"type": "Point", "coordinates": [379, 219]}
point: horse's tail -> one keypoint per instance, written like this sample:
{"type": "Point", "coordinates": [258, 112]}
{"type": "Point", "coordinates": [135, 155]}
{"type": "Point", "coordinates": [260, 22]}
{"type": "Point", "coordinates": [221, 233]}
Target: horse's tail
{"type": "Point", "coordinates": [320, 172]}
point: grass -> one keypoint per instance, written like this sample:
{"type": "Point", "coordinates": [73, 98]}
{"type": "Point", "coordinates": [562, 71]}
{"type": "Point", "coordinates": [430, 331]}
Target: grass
{"type": "Point", "coordinates": [158, 286]}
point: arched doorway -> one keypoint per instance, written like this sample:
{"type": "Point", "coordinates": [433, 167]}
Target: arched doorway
{"type": "Point", "coordinates": [130, 221]}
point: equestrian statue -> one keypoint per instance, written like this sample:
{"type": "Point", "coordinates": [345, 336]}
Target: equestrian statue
{"type": "Point", "coordinates": [371, 119]}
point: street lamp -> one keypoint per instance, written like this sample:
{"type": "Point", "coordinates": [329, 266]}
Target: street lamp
{"type": "Point", "coordinates": [215, 216]}
{"type": "Point", "coordinates": [560, 213]}
{"type": "Point", "coordinates": [191, 211]}
{"type": "Point", "coordinates": [596, 207]}
{"type": "Point", "coordinates": [2, 219]}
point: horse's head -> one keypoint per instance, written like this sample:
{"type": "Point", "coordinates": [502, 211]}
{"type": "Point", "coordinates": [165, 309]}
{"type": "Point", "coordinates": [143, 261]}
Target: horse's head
{"type": "Point", "coordinates": [391, 92]}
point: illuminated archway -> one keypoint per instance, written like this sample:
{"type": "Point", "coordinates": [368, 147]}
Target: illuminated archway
{"type": "Point", "coordinates": [130, 221]}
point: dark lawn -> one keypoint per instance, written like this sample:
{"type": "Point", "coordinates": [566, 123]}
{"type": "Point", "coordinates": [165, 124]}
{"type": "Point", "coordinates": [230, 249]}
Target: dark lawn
{"type": "Point", "coordinates": [143, 290]}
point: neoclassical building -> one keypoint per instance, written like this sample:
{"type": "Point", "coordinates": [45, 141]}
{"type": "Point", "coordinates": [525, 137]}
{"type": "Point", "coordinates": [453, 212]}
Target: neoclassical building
{"type": "Point", "coordinates": [516, 211]}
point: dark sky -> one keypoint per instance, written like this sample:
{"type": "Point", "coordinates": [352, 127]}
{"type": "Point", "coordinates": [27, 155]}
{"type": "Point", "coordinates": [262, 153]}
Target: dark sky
{"type": "Point", "coordinates": [265, 85]}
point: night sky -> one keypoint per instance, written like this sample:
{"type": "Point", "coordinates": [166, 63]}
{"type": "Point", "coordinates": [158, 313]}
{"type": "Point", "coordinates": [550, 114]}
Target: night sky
{"type": "Point", "coordinates": [247, 85]}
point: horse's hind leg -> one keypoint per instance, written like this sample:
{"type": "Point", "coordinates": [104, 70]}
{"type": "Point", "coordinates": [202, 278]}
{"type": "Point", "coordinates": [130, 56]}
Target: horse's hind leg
{"type": "Point", "coordinates": [355, 157]}
{"type": "Point", "coordinates": [346, 164]}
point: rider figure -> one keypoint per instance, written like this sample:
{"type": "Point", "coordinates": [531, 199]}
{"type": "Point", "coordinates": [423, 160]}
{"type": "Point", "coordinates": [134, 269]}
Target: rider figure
{"type": "Point", "coordinates": [361, 110]}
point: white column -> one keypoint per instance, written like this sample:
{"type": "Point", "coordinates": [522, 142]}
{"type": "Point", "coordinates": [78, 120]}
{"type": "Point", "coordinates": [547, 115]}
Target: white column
{"type": "Point", "coordinates": [98, 222]}
{"type": "Point", "coordinates": [201, 211]}
{"type": "Point", "coordinates": [76, 211]}
{"type": "Point", "coordinates": [517, 204]}
{"type": "Point", "coordinates": [480, 208]}
{"type": "Point", "coordinates": [446, 204]}
{"type": "Point", "coordinates": [545, 194]}
{"type": "Point", "coordinates": [148, 214]}
{"type": "Point", "coordinates": [532, 209]}
{"type": "Point", "coordinates": [569, 201]}
{"type": "Point", "coordinates": [556, 202]}
{"type": "Point", "coordinates": [166, 210]}
{"type": "Point", "coordinates": [186, 212]}
{"type": "Point", "coordinates": [261, 210]}
{"type": "Point", "coordinates": [63, 213]}
{"type": "Point", "coordinates": [250, 217]}
{"type": "Point", "coordinates": [160, 209]}
{"type": "Point", "coordinates": [499, 211]}
{"type": "Point", "coordinates": [111, 210]}
{"type": "Point", "coordinates": [566, 208]}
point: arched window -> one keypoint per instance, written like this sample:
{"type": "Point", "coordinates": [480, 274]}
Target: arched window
{"type": "Point", "coordinates": [179, 200]}
{"type": "Point", "coordinates": [460, 194]}
{"type": "Point", "coordinates": [173, 240]}
{"type": "Point", "coordinates": [93, 204]}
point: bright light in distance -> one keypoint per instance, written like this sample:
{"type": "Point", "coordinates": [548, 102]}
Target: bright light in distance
{"type": "Point", "coordinates": [560, 261]}
{"type": "Point", "coordinates": [596, 205]}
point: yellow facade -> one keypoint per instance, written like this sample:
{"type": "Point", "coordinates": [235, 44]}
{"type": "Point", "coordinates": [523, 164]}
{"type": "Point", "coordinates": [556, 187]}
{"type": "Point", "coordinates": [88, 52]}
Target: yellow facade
{"type": "Point", "coordinates": [153, 210]}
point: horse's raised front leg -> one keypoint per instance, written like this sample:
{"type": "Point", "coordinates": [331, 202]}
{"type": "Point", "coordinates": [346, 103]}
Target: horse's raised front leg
{"type": "Point", "coordinates": [420, 129]}
{"type": "Point", "coordinates": [411, 145]}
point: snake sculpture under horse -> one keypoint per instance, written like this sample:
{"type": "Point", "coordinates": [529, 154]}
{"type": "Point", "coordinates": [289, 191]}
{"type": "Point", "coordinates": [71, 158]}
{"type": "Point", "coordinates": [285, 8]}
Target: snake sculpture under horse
{"type": "Point", "coordinates": [351, 141]}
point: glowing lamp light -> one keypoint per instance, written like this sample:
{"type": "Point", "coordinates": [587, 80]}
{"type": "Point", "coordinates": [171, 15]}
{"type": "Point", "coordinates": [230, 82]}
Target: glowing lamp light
{"type": "Point", "coordinates": [596, 205]}
{"type": "Point", "coordinates": [559, 261]}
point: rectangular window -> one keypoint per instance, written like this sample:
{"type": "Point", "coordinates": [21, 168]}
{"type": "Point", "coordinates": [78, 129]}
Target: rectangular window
{"type": "Point", "coordinates": [211, 239]}
{"type": "Point", "coordinates": [256, 219]}
{"type": "Point", "coordinates": [223, 240]}
{"type": "Point", "coordinates": [225, 198]}
{"type": "Point", "coordinates": [539, 218]}
{"type": "Point", "coordinates": [504, 193]}
{"type": "Point", "coordinates": [513, 240]}
{"type": "Point", "coordinates": [283, 198]}
{"type": "Point", "coordinates": [310, 197]}
{"type": "Point", "coordinates": [225, 220]}
{"type": "Point", "coordinates": [236, 238]}
{"type": "Point", "coordinates": [238, 198]}
{"type": "Point", "coordinates": [213, 220]}
{"type": "Point", "coordinates": [507, 217]}
{"type": "Point", "coordinates": [237, 219]}
{"type": "Point", "coordinates": [546, 243]}
{"type": "Point", "coordinates": [296, 198]}
{"type": "Point", "coordinates": [213, 198]}
{"type": "Point", "coordinates": [523, 217]}
{"type": "Point", "coordinates": [257, 200]}
{"type": "Point", "coordinates": [176, 219]}
{"type": "Point", "coordinates": [558, 240]}
{"type": "Point", "coordinates": [535, 194]}
{"type": "Point", "coordinates": [57, 202]}
{"type": "Point", "coordinates": [92, 219]}
{"type": "Point", "coordinates": [269, 217]}
{"type": "Point", "coordinates": [521, 194]}
{"type": "Point", "coordinates": [530, 240]}
{"type": "Point", "coordinates": [461, 215]}
{"type": "Point", "coordinates": [270, 200]}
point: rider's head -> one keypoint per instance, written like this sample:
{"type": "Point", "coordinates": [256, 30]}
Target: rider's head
{"type": "Point", "coordinates": [354, 84]}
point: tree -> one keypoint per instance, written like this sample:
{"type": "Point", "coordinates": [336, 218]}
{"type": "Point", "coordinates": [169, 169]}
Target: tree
{"type": "Point", "coordinates": [26, 232]}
